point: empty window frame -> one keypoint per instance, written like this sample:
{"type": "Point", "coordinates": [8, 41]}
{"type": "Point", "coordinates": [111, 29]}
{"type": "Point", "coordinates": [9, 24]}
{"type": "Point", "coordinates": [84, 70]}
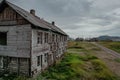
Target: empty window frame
{"type": "Point", "coordinates": [39, 38]}
{"type": "Point", "coordinates": [5, 62]}
{"type": "Point", "coordinates": [3, 38]}
{"type": "Point", "coordinates": [39, 60]}
{"type": "Point", "coordinates": [53, 37]}
{"type": "Point", "coordinates": [56, 38]}
{"type": "Point", "coordinates": [1, 62]}
{"type": "Point", "coordinates": [60, 38]}
{"type": "Point", "coordinates": [46, 37]}
{"type": "Point", "coordinates": [45, 57]}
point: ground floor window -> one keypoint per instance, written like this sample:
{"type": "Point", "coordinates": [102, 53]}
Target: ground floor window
{"type": "Point", "coordinates": [4, 61]}
{"type": "Point", "coordinates": [1, 62]}
{"type": "Point", "coordinates": [45, 57]}
{"type": "Point", "coordinates": [39, 60]}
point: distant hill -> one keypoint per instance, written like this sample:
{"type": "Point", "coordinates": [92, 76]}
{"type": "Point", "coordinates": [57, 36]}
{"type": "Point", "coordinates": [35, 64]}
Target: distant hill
{"type": "Point", "coordinates": [113, 38]}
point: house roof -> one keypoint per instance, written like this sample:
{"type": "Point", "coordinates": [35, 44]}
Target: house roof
{"type": "Point", "coordinates": [33, 19]}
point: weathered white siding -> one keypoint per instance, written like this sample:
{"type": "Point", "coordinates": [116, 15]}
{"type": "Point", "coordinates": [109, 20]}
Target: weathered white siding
{"type": "Point", "coordinates": [37, 50]}
{"type": "Point", "coordinates": [23, 48]}
{"type": "Point", "coordinates": [18, 41]}
{"type": "Point", "coordinates": [55, 47]}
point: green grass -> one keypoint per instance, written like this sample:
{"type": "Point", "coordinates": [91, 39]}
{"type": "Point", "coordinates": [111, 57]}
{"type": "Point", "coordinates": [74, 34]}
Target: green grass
{"type": "Point", "coordinates": [117, 60]}
{"type": "Point", "coordinates": [112, 45]}
{"type": "Point", "coordinates": [101, 71]}
{"type": "Point", "coordinates": [13, 77]}
{"type": "Point", "coordinates": [77, 47]}
{"type": "Point", "coordinates": [76, 67]}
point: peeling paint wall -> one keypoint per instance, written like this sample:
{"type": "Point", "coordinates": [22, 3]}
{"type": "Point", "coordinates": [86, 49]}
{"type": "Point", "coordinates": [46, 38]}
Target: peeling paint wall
{"type": "Point", "coordinates": [55, 48]}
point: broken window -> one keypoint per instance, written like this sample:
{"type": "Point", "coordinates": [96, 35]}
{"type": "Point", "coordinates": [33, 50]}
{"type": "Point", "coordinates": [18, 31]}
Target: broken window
{"type": "Point", "coordinates": [60, 38]}
{"type": "Point", "coordinates": [3, 38]}
{"type": "Point", "coordinates": [56, 38]}
{"type": "Point", "coordinates": [53, 37]}
{"type": "Point", "coordinates": [39, 38]}
{"type": "Point", "coordinates": [39, 60]}
{"type": "Point", "coordinates": [46, 37]}
{"type": "Point", "coordinates": [45, 56]}
{"type": "Point", "coordinates": [4, 62]}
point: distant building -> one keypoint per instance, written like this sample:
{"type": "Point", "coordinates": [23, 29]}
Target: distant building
{"type": "Point", "coordinates": [93, 40]}
{"type": "Point", "coordinates": [79, 39]}
{"type": "Point", "coordinates": [28, 44]}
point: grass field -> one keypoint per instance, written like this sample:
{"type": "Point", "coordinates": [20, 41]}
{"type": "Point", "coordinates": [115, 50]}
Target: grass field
{"type": "Point", "coordinates": [112, 45]}
{"type": "Point", "coordinates": [76, 67]}
{"type": "Point", "coordinates": [79, 66]}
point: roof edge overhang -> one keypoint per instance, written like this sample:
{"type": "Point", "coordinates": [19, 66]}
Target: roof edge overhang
{"type": "Point", "coordinates": [35, 26]}
{"type": "Point", "coordinates": [39, 28]}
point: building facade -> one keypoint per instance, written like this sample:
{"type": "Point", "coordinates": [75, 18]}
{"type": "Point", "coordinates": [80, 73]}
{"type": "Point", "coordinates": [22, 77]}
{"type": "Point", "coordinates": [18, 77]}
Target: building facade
{"type": "Point", "coordinates": [28, 44]}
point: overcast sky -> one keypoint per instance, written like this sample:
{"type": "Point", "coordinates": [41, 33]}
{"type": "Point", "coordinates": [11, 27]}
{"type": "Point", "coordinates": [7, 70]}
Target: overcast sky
{"type": "Point", "coordinates": [83, 18]}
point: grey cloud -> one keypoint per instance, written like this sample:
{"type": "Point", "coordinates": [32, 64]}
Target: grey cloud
{"type": "Point", "coordinates": [78, 17]}
{"type": "Point", "coordinates": [64, 8]}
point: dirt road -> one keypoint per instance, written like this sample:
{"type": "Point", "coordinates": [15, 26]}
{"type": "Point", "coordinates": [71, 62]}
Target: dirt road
{"type": "Point", "coordinates": [107, 50]}
{"type": "Point", "coordinates": [108, 56]}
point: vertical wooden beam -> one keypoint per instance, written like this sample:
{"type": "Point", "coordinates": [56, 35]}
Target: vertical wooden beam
{"type": "Point", "coordinates": [30, 60]}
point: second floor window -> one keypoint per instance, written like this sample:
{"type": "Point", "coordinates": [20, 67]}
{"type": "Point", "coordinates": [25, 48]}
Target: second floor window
{"type": "Point", "coordinates": [40, 38]}
{"type": "Point", "coordinates": [46, 37]}
{"type": "Point", "coordinates": [3, 38]}
{"type": "Point", "coordinates": [53, 37]}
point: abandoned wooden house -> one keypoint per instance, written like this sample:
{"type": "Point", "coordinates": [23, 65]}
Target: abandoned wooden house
{"type": "Point", "coordinates": [28, 44]}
